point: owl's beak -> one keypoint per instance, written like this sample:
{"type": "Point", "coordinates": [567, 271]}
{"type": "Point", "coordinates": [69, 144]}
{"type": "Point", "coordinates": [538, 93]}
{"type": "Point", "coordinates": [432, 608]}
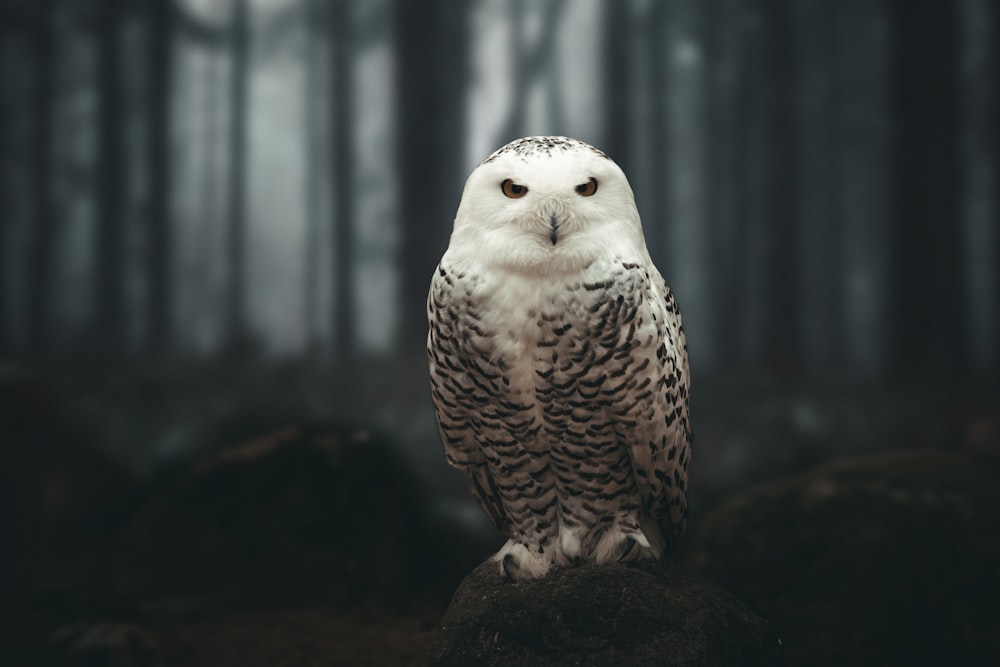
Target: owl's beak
{"type": "Point", "coordinates": [553, 228]}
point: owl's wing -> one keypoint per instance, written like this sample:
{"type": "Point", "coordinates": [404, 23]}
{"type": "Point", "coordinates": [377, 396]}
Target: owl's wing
{"type": "Point", "coordinates": [654, 412]}
{"type": "Point", "coordinates": [454, 390]}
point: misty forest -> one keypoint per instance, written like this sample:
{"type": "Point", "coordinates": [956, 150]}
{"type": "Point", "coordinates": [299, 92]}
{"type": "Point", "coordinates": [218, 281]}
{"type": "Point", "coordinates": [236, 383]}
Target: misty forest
{"type": "Point", "coordinates": [218, 224]}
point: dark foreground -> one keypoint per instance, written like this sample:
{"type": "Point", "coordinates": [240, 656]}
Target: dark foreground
{"type": "Point", "coordinates": [311, 543]}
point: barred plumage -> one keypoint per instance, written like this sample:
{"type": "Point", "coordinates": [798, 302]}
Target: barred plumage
{"type": "Point", "coordinates": [558, 363]}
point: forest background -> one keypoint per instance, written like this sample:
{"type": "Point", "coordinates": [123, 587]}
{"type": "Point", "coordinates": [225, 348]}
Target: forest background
{"type": "Point", "coordinates": [218, 217]}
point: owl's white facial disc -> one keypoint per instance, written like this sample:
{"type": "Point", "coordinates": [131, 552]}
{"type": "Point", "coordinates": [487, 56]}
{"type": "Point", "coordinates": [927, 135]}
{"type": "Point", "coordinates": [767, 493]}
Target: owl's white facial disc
{"type": "Point", "coordinates": [546, 205]}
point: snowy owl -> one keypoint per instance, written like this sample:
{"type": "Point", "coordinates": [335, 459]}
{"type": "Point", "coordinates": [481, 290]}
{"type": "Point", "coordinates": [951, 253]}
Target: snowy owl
{"type": "Point", "coordinates": [558, 363]}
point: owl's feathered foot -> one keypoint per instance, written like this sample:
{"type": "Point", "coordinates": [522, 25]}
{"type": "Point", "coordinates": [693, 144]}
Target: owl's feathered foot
{"type": "Point", "coordinates": [505, 565]}
{"type": "Point", "coordinates": [623, 546]}
{"type": "Point", "coordinates": [518, 562]}
{"type": "Point", "coordinates": [629, 545]}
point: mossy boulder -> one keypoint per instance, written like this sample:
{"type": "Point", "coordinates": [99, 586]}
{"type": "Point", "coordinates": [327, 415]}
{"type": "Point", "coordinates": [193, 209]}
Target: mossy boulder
{"type": "Point", "coordinates": [303, 514]}
{"type": "Point", "coordinates": [650, 613]}
{"type": "Point", "coordinates": [886, 559]}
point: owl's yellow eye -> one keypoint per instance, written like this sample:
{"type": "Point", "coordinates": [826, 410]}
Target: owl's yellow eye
{"type": "Point", "coordinates": [513, 190]}
{"type": "Point", "coordinates": [587, 189]}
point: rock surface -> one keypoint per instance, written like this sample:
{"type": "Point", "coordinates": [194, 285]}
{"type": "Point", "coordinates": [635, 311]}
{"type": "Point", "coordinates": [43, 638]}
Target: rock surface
{"type": "Point", "coordinates": [301, 515]}
{"type": "Point", "coordinates": [60, 494]}
{"type": "Point", "coordinates": [888, 559]}
{"type": "Point", "coordinates": [650, 613]}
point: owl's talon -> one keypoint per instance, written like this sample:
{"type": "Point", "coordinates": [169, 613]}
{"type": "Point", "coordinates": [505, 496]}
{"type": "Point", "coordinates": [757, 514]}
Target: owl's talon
{"type": "Point", "coordinates": [629, 545]}
{"type": "Point", "coordinates": [518, 562]}
{"type": "Point", "coordinates": [506, 567]}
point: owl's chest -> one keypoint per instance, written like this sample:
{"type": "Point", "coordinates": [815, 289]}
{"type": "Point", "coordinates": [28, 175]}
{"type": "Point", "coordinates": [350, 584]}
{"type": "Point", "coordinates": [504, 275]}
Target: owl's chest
{"type": "Point", "coordinates": [544, 332]}
{"type": "Point", "coordinates": [521, 312]}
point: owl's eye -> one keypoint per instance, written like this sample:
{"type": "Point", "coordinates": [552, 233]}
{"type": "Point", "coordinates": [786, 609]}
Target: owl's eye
{"type": "Point", "coordinates": [513, 190]}
{"type": "Point", "coordinates": [587, 189]}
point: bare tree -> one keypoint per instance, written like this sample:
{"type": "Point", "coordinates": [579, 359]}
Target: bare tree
{"type": "Point", "coordinates": [818, 101]}
{"type": "Point", "coordinates": [927, 290]}
{"type": "Point", "coordinates": [748, 287]}
{"type": "Point", "coordinates": [617, 83]}
{"type": "Point", "coordinates": [654, 52]}
{"type": "Point", "coordinates": [236, 237]}
{"type": "Point", "coordinates": [994, 102]}
{"type": "Point", "coordinates": [860, 157]}
{"type": "Point", "coordinates": [341, 135]}
{"type": "Point", "coordinates": [533, 61]}
{"type": "Point", "coordinates": [317, 177]}
{"type": "Point", "coordinates": [6, 19]}
{"type": "Point", "coordinates": [205, 267]}
{"type": "Point", "coordinates": [159, 253]}
{"type": "Point", "coordinates": [978, 195]}
{"type": "Point", "coordinates": [684, 168]}
{"type": "Point", "coordinates": [109, 285]}
{"type": "Point", "coordinates": [780, 318]}
{"type": "Point", "coordinates": [731, 94]}
{"type": "Point", "coordinates": [40, 265]}
{"type": "Point", "coordinates": [431, 80]}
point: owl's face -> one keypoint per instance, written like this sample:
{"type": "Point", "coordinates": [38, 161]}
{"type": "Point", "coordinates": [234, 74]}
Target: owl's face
{"type": "Point", "coordinates": [547, 205]}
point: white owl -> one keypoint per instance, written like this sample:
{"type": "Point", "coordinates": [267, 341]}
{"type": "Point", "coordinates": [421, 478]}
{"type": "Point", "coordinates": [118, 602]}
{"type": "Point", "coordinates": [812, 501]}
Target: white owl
{"type": "Point", "coordinates": [558, 363]}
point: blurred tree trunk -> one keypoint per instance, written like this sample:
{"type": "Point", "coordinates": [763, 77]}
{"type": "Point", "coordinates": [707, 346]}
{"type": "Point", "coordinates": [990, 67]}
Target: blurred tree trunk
{"type": "Point", "coordinates": [721, 38]}
{"type": "Point", "coordinates": [617, 81]}
{"type": "Point", "coordinates": [994, 84]}
{"type": "Point", "coordinates": [109, 289]}
{"type": "Point", "coordinates": [342, 139]}
{"type": "Point", "coordinates": [516, 12]}
{"type": "Point", "coordinates": [729, 142]}
{"type": "Point", "coordinates": [717, 41]}
{"type": "Point", "coordinates": [6, 19]}
{"type": "Point", "coordinates": [201, 280]}
{"type": "Point", "coordinates": [780, 316]}
{"type": "Point", "coordinates": [978, 120]}
{"type": "Point", "coordinates": [431, 84]}
{"type": "Point", "coordinates": [657, 55]}
{"type": "Point", "coordinates": [654, 56]}
{"type": "Point", "coordinates": [684, 168]}
{"type": "Point", "coordinates": [159, 252]}
{"type": "Point", "coordinates": [555, 105]}
{"type": "Point", "coordinates": [236, 319]}
{"type": "Point", "coordinates": [861, 165]}
{"type": "Point", "coordinates": [532, 61]}
{"type": "Point", "coordinates": [927, 290]}
{"type": "Point", "coordinates": [819, 103]}
{"type": "Point", "coordinates": [317, 179]}
{"type": "Point", "coordinates": [40, 268]}
{"type": "Point", "coordinates": [748, 289]}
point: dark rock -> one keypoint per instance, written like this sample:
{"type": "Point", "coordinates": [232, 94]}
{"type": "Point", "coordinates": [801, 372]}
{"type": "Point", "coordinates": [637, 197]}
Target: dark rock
{"type": "Point", "coordinates": [649, 613]}
{"type": "Point", "coordinates": [881, 560]}
{"type": "Point", "coordinates": [106, 643]}
{"type": "Point", "coordinates": [323, 515]}
{"type": "Point", "coordinates": [62, 499]}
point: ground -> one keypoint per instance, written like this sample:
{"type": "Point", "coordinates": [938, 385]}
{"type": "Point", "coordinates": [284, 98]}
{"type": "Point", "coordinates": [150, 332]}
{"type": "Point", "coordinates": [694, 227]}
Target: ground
{"type": "Point", "coordinates": [185, 514]}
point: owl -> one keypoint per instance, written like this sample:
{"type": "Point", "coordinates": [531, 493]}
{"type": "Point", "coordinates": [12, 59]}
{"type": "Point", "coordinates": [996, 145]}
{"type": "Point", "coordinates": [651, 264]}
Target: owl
{"type": "Point", "coordinates": [558, 362]}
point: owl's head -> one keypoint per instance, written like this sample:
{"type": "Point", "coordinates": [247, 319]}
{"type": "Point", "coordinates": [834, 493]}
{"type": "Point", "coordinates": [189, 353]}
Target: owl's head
{"type": "Point", "coordinates": [546, 205]}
